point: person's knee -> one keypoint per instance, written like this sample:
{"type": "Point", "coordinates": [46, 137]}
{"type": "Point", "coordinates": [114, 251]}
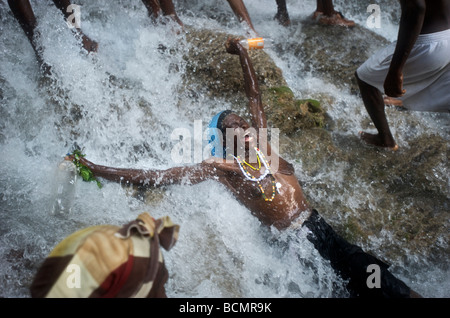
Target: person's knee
{"type": "Point", "coordinates": [361, 83]}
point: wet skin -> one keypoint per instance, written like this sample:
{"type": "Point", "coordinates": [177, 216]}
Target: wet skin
{"type": "Point", "coordinates": [288, 202]}
{"type": "Point", "coordinates": [24, 14]}
{"type": "Point", "coordinates": [282, 15]}
{"type": "Point", "coordinates": [325, 14]}
{"type": "Point", "coordinates": [241, 12]}
{"type": "Point", "coordinates": [165, 7]}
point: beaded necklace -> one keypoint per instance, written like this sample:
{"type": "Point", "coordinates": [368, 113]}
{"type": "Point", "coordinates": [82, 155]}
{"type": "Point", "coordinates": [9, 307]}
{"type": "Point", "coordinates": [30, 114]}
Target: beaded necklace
{"type": "Point", "coordinates": [259, 164]}
{"type": "Point", "coordinates": [248, 176]}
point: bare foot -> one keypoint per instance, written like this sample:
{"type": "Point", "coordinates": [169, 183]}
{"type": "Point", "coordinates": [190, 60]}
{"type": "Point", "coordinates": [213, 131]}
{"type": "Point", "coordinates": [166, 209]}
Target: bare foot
{"type": "Point", "coordinates": [177, 26]}
{"type": "Point", "coordinates": [336, 19]}
{"type": "Point", "coordinates": [376, 140]}
{"type": "Point", "coordinates": [88, 44]}
{"type": "Point", "coordinates": [391, 101]}
{"type": "Point", "coordinates": [172, 18]}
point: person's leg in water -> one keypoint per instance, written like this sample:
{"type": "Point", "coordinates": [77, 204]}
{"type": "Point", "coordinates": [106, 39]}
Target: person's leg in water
{"type": "Point", "coordinates": [352, 263]}
{"type": "Point", "coordinates": [24, 14]}
{"type": "Point", "coordinates": [374, 103]}
{"type": "Point", "coordinates": [155, 7]}
{"type": "Point", "coordinates": [282, 15]}
{"type": "Point", "coordinates": [325, 14]}
{"type": "Point", "coordinates": [241, 12]}
{"type": "Point", "coordinates": [88, 44]}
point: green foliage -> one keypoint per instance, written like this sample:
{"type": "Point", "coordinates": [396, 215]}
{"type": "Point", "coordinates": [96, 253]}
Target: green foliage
{"type": "Point", "coordinates": [313, 105]}
{"type": "Point", "coordinates": [85, 173]}
{"type": "Point", "coordinates": [282, 91]}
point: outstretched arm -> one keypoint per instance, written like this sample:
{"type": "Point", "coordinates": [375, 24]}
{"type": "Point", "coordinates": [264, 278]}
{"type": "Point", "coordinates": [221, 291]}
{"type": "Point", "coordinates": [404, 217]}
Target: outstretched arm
{"type": "Point", "coordinates": [251, 83]}
{"type": "Point", "coordinates": [411, 21]}
{"type": "Point", "coordinates": [153, 178]}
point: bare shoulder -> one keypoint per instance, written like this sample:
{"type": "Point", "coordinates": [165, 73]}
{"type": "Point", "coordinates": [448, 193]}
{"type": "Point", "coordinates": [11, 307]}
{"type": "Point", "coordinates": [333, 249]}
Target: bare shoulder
{"type": "Point", "coordinates": [285, 167]}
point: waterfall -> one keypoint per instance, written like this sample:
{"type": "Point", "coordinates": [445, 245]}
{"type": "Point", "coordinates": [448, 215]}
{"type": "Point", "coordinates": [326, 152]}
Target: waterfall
{"type": "Point", "coordinates": [120, 105]}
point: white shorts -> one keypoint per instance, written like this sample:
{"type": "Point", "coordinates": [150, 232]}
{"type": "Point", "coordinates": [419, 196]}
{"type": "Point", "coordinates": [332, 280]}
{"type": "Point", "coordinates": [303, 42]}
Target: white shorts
{"type": "Point", "coordinates": [426, 74]}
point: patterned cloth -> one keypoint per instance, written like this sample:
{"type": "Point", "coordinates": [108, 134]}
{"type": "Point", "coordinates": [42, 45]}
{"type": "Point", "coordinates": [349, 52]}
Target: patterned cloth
{"type": "Point", "coordinates": [109, 261]}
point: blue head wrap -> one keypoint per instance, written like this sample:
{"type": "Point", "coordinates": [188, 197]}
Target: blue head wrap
{"type": "Point", "coordinates": [215, 139]}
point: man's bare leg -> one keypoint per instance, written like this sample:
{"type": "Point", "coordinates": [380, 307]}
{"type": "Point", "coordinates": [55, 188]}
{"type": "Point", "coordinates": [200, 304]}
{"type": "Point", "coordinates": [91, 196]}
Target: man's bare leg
{"type": "Point", "coordinates": [374, 103]}
{"type": "Point", "coordinates": [153, 8]}
{"type": "Point", "coordinates": [325, 14]}
{"type": "Point", "coordinates": [241, 12]}
{"type": "Point", "coordinates": [168, 9]}
{"type": "Point", "coordinates": [88, 44]}
{"type": "Point", "coordinates": [25, 16]}
{"type": "Point", "coordinates": [282, 13]}
{"type": "Point", "coordinates": [325, 7]}
{"type": "Point", "coordinates": [165, 7]}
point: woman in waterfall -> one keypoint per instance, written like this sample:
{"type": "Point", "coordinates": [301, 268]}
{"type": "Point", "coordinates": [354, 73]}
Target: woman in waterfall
{"type": "Point", "coordinates": [266, 185]}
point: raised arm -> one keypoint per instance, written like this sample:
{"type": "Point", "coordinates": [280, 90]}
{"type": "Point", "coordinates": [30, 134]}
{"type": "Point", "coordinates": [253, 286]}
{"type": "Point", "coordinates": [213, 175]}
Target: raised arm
{"type": "Point", "coordinates": [250, 82]}
{"type": "Point", "coordinates": [411, 21]}
{"type": "Point", "coordinates": [153, 178]}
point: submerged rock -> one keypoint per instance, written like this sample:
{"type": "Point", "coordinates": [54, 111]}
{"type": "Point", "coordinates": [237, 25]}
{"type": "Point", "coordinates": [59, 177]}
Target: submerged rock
{"type": "Point", "coordinates": [395, 205]}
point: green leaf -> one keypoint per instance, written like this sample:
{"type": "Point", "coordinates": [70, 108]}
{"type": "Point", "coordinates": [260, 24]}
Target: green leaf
{"type": "Point", "coordinates": [85, 173]}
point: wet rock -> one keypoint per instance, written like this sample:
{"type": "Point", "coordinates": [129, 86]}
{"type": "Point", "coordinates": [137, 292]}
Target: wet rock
{"type": "Point", "coordinates": [214, 71]}
{"type": "Point", "coordinates": [211, 71]}
{"type": "Point", "coordinates": [393, 204]}
{"type": "Point", "coordinates": [400, 198]}
{"type": "Point", "coordinates": [333, 53]}
{"type": "Point", "coordinates": [290, 114]}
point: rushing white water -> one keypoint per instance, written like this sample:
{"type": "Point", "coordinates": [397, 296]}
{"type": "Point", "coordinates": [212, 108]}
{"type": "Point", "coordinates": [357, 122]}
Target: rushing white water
{"type": "Point", "coordinates": [120, 107]}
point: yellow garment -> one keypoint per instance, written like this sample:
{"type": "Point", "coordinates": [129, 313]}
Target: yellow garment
{"type": "Point", "coordinates": [109, 261]}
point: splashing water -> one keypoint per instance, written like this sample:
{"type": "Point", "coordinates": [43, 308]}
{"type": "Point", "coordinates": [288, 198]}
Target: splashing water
{"type": "Point", "coordinates": [120, 106]}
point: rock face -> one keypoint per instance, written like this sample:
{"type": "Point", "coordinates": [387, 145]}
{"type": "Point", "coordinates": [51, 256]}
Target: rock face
{"type": "Point", "coordinates": [217, 74]}
{"type": "Point", "coordinates": [397, 202]}
{"type": "Point", "coordinates": [334, 53]}
{"type": "Point", "coordinates": [402, 197]}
